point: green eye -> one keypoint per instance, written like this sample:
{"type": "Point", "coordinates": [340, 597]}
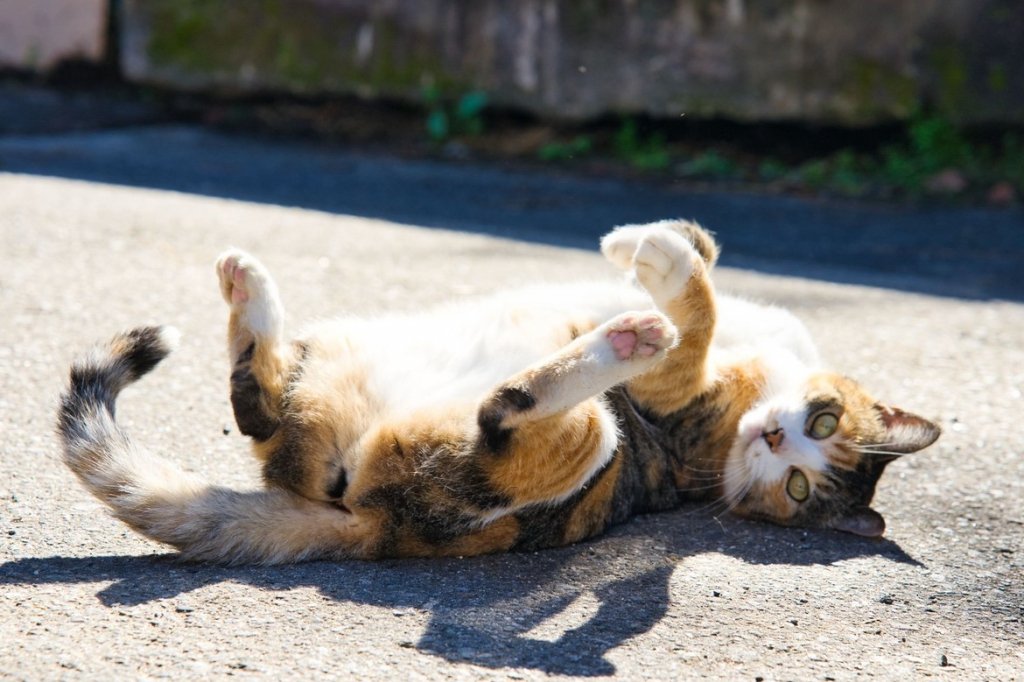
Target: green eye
{"type": "Point", "coordinates": [797, 486]}
{"type": "Point", "coordinates": [823, 426]}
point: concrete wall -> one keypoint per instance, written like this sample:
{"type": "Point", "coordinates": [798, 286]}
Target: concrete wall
{"type": "Point", "coordinates": [36, 35]}
{"type": "Point", "coordinates": [815, 60]}
{"type": "Point", "coordinates": [832, 61]}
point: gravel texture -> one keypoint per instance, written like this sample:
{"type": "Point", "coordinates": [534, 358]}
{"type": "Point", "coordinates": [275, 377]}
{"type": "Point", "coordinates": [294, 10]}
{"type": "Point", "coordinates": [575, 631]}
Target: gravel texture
{"type": "Point", "coordinates": [679, 595]}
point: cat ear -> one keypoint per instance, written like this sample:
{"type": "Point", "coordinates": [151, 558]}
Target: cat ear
{"type": "Point", "coordinates": [905, 432]}
{"type": "Point", "coordinates": [861, 521]}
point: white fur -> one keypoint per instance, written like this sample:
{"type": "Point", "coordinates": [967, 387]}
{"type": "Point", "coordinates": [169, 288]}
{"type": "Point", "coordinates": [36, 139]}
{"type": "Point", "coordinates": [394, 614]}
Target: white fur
{"type": "Point", "coordinates": [664, 261]}
{"type": "Point", "coordinates": [460, 352]}
{"type": "Point", "coordinates": [170, 337]}
{"type": "Point", "coordinates": [784, 348]}
{"type": "Point", "coordinates": [789, 360]}
{"type": "Point", "coordinates": [787, 412]}
{"type": "Point", "coordinates": [262, 312]}
{"type": "Point", "coordinates": [747, 329]}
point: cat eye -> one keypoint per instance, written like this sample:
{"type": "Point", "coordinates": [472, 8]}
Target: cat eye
{"type": "Point", "coordinates": [797, 486]}
{"type": "Point", "coordinates": [823, 425]}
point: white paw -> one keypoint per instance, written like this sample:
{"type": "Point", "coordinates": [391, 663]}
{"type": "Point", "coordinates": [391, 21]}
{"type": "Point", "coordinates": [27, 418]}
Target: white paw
{"type": "Point", "coordinates": [247, 287]}
{"type": "Point", "coordinates": [619, 245]}
{"type": "Point", "coordinates": [664, 262]}
{"type": "Point", "coordinates": [640, 335]}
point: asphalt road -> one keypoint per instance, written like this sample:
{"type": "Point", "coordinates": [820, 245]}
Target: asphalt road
{"type": "Point", "coordinates": [103, 230]}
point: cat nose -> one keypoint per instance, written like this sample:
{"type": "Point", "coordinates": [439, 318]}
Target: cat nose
{"type": "Point", "coordinates": [774, 438]}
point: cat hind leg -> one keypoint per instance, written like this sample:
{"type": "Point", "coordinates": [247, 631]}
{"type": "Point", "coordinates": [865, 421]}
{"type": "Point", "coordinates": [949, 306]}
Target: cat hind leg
{"type": "Point", "coordinates": [256, 310]}
{"type": "Point", "coordinates": [261, 361]}
{"type": "Point", "coordinates": [673, 271]}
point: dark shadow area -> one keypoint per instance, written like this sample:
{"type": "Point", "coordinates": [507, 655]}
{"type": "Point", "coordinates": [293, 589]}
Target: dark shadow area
{"type": "Point", "coordinates": [481, 610]}
{"type": "Point", "coordinates": [970, 253]}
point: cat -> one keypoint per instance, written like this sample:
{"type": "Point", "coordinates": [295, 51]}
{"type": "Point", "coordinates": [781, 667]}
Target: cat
{"type": "Point", "coordinates": [530, 419]}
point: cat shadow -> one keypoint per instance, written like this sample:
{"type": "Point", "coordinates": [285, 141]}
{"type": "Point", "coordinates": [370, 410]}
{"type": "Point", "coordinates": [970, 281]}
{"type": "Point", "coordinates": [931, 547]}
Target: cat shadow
{"type": "Point", "coordinates": [559, 611]}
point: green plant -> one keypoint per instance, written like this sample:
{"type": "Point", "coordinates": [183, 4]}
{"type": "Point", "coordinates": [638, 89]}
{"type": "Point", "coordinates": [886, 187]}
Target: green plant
{"type": "Point", "coordinates": [814, 173]}
{"type": "Point", "coordinates": [464, 116]}
{"type": "Point", "coordinates": [710, 164]}
{"type": "Point", "coordinates": [1011, 162]}
{"type": "Point", "coordinates": [848, 176]}
{"type": "Point", "coordinates": [564, 151]}
{"type": "Point", "coordinates": [771, 170]}
{"type": "Point", "coordinates": [644, 152]}
{"type": "Point", "coordinates": [937, 144]}
{"type": "Point", "coordinates": [933, 144]}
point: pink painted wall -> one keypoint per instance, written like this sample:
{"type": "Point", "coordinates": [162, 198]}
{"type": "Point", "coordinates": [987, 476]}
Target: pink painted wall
{"type": "Point", "coordinates": [36, 35]}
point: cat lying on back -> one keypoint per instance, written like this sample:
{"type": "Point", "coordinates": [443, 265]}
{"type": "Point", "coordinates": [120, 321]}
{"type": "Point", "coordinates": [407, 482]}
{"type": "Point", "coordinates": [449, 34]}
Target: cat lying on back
{"type": "Point", "coordinates": [530, 419]}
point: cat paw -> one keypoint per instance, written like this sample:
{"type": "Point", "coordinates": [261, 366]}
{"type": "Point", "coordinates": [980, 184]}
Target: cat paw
{"type": "Point", "coordinates": [241, 277]}
{"type": "Point", "coordinates": [640, 335]}
{"type": "Point", "coordinates": [664, 262]}
{"type": "Point", "coordinates": [619, 246]}
{"type": "Point", "coordinates": [247, 287]}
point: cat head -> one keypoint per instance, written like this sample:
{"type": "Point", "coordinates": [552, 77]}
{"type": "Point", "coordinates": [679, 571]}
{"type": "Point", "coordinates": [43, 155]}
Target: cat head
{"type": "Point", "coordinates": [812, 454]}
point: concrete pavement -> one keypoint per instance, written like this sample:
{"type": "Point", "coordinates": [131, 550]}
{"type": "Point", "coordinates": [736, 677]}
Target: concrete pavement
{"type": "Point", "coordinates": [99, 231]}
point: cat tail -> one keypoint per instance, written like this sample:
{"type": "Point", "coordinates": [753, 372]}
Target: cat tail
{"type": "Point", "coordinates": [160, 500]}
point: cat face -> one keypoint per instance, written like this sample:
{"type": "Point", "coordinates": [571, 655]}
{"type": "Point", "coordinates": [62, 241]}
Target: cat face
{"type": "Point", "coordinates": [812, 454]}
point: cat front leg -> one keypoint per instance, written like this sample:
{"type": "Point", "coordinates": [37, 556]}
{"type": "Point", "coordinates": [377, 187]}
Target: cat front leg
{"type": "Point", "coordinates": [674, 272]}
{"type": "Point", "coordinates": [261, 361]}
{"type": "Point", "coordinates": [615, 351]}
{"type": "Point", "coordinates": [545, 432]}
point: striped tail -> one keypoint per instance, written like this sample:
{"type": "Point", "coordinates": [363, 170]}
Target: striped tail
{"type": "Point", "coordinates": [160, 500]}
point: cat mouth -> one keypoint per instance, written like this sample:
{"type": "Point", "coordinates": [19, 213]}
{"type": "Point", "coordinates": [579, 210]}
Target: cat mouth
{"type": "Point", "coordinates": [341, 506]}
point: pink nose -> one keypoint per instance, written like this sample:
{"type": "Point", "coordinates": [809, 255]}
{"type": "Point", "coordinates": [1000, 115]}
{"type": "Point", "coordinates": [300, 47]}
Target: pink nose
{"type": "Point", "coordinates": [774, 438]}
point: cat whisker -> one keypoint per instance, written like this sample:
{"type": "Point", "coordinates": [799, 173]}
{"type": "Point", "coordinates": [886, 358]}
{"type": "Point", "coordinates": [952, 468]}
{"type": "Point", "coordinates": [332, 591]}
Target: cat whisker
{"type": "Point", "coordinates": [724, 506]}
{"type": "Point", "coordinates": [718, 481]}
{"type": "Point", "coordinates": [727, 503]}
{"type": "Point", "coordinates": [734, 500]}
{"type": "Point", "coordinates": [861, 446]}
{"type": "Point", "coordinates": [701, 488]}
{"type": "Point", "coordinates": [698, 470]}
{"type": "Point", "coordinates": [867, 451]}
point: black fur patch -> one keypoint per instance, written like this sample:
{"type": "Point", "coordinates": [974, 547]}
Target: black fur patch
{"type": "Point", "coordinates": [75, 411]}
{"type": "Point", "coordinates": [851, 489]}
{"type": "Point", "coordinates": [337, 489]}
{"type": "Point", "coordinates": [645, 448]}
{"type": "Point", "coordinates": [441, 503]}
{"type": "Point", "coordinates": [247, 401]}
{"type": "Point", "coordinates": [493, 436]}
{"type": "Point", "coordinates": [145, 350]}
{"type": "Point", "coordinates": [516, 399]}
{"type": "Point", "coordinates": [285, 465]}
{"type": "Point", "coordinates": [89, 385]}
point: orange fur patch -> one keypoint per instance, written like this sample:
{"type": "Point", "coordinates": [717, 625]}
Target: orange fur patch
{"type": "Point", "coordinates": [548, 458]}
{"type": "Point", "coordinates": [681, 376]}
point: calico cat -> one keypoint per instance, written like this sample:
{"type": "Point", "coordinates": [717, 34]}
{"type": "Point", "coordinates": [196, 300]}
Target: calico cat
{"type": "Point", "coordinates": [529, 419]}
